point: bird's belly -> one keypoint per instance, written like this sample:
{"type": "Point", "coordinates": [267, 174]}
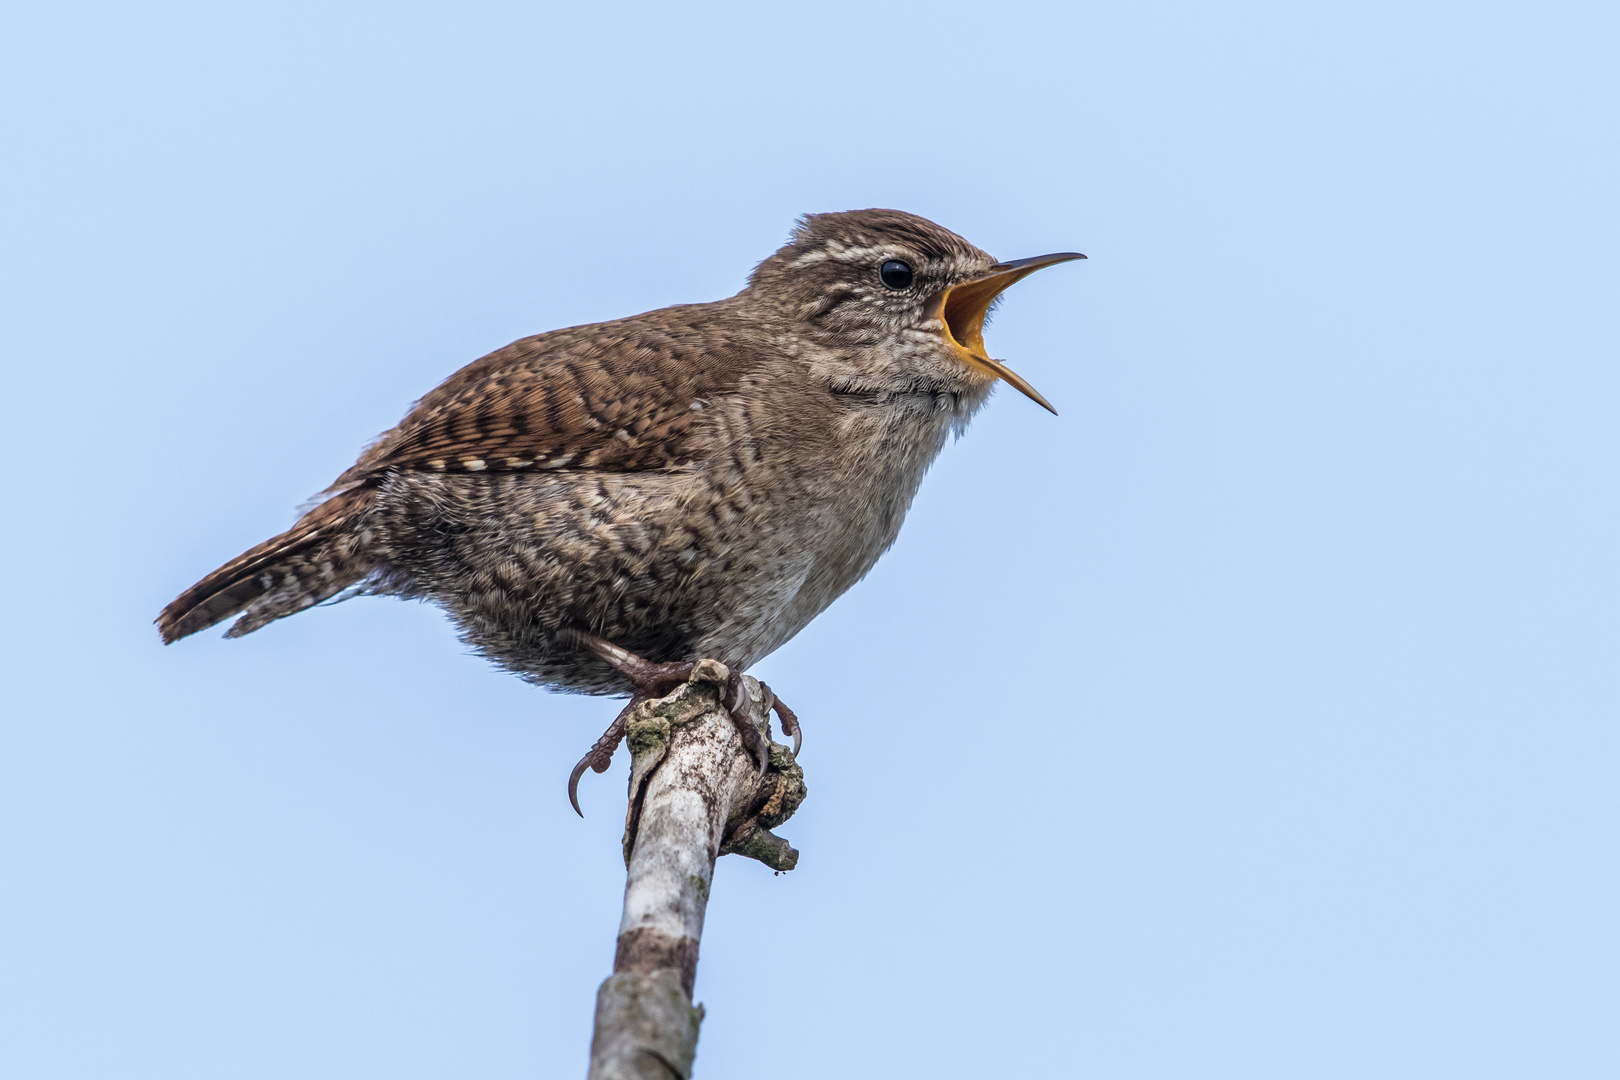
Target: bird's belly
{"type": "Point", "coordinates": [672, 566]}
{"type": "Point", "coordinates": [656, 563]}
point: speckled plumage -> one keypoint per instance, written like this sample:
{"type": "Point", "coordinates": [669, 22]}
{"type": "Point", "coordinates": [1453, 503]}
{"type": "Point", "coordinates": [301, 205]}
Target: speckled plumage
{"type": "Point", "coordinates": [698, 481]}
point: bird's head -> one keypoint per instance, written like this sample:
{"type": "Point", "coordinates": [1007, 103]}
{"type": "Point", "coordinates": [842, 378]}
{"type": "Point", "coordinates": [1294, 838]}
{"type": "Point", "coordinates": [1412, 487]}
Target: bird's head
{"type": "Point", "coordinates": [903, 299]}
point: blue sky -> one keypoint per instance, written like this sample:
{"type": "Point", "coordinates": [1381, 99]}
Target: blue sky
{"type": "Point", "coordinates": [1253, 718]}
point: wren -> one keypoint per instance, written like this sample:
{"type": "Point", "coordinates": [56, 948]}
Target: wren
{"type": "Point", "coordinates": [599, 507]}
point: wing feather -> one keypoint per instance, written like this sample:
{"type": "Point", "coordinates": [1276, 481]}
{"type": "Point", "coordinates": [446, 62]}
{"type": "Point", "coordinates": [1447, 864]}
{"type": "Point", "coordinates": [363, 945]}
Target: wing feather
{"type": "Point", "coordinates": [623, 397]}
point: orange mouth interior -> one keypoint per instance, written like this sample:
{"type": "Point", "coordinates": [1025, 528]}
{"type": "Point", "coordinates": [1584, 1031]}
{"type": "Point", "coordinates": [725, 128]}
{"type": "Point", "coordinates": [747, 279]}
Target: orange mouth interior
{"type": "Point", "coordinates": [963, 310]}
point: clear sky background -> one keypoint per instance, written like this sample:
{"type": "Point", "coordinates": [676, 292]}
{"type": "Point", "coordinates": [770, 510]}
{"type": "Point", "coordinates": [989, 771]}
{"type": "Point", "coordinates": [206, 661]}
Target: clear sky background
{"type": "Point", "coordinates": [1254, 718]}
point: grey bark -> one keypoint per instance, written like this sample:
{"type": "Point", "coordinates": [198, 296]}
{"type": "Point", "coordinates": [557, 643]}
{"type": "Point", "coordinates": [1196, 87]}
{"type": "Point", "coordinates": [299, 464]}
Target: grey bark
{"type": "Point", "coordinates": [695, 794]}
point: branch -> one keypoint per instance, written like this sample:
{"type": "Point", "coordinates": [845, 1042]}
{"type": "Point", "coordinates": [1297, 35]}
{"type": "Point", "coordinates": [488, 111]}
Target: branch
{"type": "Point", "coordinates": [695, 794]}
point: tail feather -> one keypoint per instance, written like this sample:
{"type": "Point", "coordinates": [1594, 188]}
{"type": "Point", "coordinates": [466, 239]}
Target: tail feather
{"type": "Point", "coordinates": [314, 560]}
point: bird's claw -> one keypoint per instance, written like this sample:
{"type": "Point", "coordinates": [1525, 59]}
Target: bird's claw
{"type": "Point", "coordinates": [588, 761]}
{"type": "Point", "coordinates": [600, 755]}
{"type": "Point", "coordinates": [651, 680]}
{"type": "Point", "coordinates": [790, 720]}
{"type": "Point", "coordinates": [736, 703]}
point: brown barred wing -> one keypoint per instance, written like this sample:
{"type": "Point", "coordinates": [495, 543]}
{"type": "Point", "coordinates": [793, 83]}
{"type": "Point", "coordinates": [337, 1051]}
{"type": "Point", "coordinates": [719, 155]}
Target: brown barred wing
{"type": "Point", "coordinates": [620, 397]}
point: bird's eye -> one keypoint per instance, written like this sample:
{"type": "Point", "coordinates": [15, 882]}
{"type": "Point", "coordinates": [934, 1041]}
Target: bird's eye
{"type": "Point", "coordinates": [895, 274]}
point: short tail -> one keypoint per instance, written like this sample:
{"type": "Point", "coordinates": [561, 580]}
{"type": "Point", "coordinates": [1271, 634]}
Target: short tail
{"type": "Point", "coordinates": [313, 561]}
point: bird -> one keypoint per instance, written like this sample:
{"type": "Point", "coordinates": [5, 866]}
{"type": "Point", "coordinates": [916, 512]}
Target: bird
{"type": "Point", "coordinates": [599, 507]}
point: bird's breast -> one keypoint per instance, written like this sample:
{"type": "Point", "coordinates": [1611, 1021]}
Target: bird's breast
{"type": "Point", "coordinates": [830, 503]}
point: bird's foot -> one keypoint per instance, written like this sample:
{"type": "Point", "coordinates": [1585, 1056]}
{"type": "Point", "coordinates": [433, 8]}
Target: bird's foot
{"type": "Point", "coordinates": [653, 680]}
{"type": "Point", "coordinates": [790, 720]}
{"type": "Point", "coordinates": [600, 755]}
{"type": "Point", "coordinates": [735, 700]}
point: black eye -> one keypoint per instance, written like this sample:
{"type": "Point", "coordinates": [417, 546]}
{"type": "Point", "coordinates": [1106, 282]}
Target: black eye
{"type": "Point", "coordinates": [895, 274]}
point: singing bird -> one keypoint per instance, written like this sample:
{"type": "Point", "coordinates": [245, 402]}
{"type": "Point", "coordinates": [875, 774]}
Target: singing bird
{"type": "Point", "coordinates": [601, 506]}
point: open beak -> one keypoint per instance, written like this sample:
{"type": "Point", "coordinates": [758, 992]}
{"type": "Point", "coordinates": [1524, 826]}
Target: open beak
{"type": "Point", "coordinates": [963, 308]}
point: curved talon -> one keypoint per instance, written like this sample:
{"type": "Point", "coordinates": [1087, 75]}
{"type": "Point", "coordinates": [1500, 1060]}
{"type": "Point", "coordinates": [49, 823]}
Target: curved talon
{"type": "Point", "coordinates": [736, 703]}
{"type": "Point", "coordinates": [770, 703]}
{"type": "Point", "coordinates": [790, 721]}
{"type": "Point", "coordinates": [736, 696]}
{"type": "Point", "coordinates": [652, 679]}
{"type": "Point", "coordinates": [600, 755]}
{"type": "Point", "coordinates": [593, 760]}
{"type": "Point", "coordinates": [757, 749]}
{"type": "Point", "coordinates": [573, 784]}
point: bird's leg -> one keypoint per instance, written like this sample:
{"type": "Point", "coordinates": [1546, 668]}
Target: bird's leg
{"type": "Point", "coordinates": [652, 680]}
{"type": "Point", "coordinates": [649, 678]}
